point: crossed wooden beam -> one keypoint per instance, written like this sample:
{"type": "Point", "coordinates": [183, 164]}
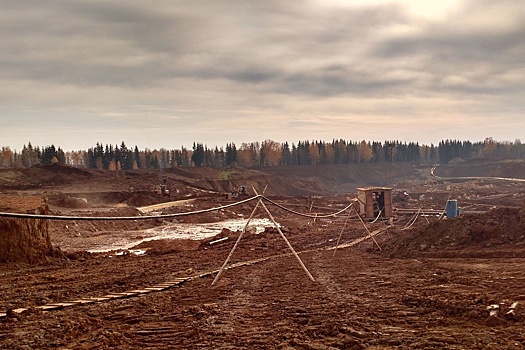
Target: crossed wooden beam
{"type": "Point", "coordinates": [261, 203]}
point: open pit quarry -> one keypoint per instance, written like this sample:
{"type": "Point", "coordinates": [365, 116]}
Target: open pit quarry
{"type": "Point", "coordinates": [99, 259]}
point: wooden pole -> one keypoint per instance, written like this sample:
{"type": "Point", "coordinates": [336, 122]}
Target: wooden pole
{"type": "Point", "coordinates": [310, 211]}
{"type": "Point", "coordinates": [391, 145]}
{"type": "Point", "coordinates": [367, 230]}
{"type": "Point", "coordinates": [286, 240]}
{"type": "Point", "coordinates": [238, 239]}
{"type": "Point", "coordinates": [341, 233]}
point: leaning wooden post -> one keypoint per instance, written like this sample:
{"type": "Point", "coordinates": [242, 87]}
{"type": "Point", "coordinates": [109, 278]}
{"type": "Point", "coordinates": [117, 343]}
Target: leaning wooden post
{"type": "Point", "coordinates": [238, 239]}
{"type": "Point", "coordinates": [286, 240]}
{"type": "Point", "coordinates": [367, 230]}
{"type": "Point", "coordinates": [344, 226]}
{"type": "Point", "coordinates": [428, 222]}
{"type": "Point", "coordinates": [310, 211]}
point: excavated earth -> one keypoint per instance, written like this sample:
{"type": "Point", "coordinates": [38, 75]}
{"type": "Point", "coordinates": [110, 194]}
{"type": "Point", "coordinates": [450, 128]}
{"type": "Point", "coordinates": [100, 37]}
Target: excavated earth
{"type": "Point", "coordinates": [421, 282]}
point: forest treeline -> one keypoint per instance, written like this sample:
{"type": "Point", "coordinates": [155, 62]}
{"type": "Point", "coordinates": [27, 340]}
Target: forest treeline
{"type": "Point", "coordinates": [261, 154]}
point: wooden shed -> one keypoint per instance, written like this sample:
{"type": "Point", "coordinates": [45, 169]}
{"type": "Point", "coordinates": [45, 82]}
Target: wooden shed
{"type": "Point", "coordinates": [375, 200]}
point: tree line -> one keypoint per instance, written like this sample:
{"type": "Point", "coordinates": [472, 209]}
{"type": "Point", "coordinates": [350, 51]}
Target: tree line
{"type": "Point", "coordinates": [261, 154]}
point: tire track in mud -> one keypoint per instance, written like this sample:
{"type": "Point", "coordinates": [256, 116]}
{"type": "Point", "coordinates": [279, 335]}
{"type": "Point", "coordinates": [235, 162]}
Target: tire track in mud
{"type": "Point", "coordinates": [177, 281]}
{"type": "Point", "coordinates": [433, 169]}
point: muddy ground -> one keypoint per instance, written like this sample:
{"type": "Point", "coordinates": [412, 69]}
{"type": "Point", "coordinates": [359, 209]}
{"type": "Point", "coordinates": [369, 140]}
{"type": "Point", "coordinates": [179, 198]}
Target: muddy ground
{"type": "Point", "coordinates": [431, 285]}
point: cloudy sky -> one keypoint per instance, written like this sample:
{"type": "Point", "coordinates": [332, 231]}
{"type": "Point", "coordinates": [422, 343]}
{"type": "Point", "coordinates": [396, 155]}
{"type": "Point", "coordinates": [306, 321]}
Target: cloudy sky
{"type": "Point", "coordinates": [164, 73]}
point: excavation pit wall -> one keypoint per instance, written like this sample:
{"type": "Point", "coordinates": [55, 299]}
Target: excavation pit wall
{"type": "Point", "coordinates": [26, 240]}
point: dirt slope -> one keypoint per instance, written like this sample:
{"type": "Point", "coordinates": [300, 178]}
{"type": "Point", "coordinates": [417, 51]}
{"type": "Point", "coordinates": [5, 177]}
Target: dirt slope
{"type": "Point", "coordinates": [288, 181]}
{"type": "Point", "coordinates": [499, 232]}
{"type": "Point", "coordinates": [510, 168]}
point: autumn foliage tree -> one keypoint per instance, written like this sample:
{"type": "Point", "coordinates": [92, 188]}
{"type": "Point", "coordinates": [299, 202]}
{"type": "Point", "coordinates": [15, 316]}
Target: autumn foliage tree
{"type": "Point", "coordinates": [6, 157]}
{"type": "Point", "coordinates": [365, 152]}
{"type": "Point", "coordinates": [247, 155]}
{"type": "Point", "coordinates": [271, 153]}
{"type": "Point", "coordinates": [489, 147]}
{"type": "Point", "coordinates": [267, 153]}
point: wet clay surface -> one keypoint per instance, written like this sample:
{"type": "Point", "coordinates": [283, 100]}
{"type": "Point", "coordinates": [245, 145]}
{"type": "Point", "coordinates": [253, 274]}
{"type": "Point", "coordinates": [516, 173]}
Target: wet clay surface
{"type": "Point", "coordinates": [431, 286]}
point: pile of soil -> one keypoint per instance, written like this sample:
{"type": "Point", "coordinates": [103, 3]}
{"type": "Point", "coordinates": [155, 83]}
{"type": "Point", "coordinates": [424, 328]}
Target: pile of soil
{"type": "Point", "coordinates": [67, 201]}
{"type": "Point", "coordinates": [471, 235]}
{"type": "Point", "coordinates": [25, 240]}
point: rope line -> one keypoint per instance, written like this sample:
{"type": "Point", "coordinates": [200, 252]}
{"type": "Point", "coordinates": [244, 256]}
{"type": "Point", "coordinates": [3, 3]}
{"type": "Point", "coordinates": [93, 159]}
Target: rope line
{"type": "Point", "coordinates": [377, 217]}
{"type": "Point", "coordinates": [115, 218]}
{"type": "Point", "coordinates": [163, 216]}
{"type": "Point", "coordinates": [412, 221]}
{"type": "Point", "coordinates": [315, 216]}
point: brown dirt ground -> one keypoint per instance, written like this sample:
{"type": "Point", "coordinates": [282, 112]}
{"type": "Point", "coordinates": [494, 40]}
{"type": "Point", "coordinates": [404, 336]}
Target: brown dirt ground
{"type": "Point", "coordinates": [428, 288]}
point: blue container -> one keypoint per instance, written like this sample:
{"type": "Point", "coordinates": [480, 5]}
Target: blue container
{"type": "Point", "coordinates": [452, 208]}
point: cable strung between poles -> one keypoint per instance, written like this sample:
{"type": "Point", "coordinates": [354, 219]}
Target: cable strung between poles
{"type": "Point", "coordinates": [238, 239]}
{"type": "Point", "coordinates": [378, 216]}
{"type": "Point", "coordinates": [163, 216]}
{"type": "Point", "coordinates": [100, 218]}
{"type": "Point", "coordinates": [316, 216]}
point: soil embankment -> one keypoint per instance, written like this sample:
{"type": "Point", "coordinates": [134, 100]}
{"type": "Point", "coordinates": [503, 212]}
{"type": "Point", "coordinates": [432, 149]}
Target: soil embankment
{"type": "Point", "coordinates": [26, 240]}
{"type": "Point", "coordinates": [285, 181]}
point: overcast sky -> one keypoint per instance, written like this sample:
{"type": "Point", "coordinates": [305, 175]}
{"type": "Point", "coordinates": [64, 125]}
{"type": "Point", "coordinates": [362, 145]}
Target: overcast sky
{"type": "Point", "coordinates": [167, 73]}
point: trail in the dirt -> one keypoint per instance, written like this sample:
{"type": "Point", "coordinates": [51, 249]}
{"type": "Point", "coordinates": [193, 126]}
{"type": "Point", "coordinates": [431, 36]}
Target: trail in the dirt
{"type": "Point", "coordinates": [433, 169]}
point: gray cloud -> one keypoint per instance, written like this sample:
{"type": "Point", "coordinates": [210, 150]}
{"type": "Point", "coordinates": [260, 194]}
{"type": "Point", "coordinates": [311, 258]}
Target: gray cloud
{"type": "Point", "coordinates": [261, 65]}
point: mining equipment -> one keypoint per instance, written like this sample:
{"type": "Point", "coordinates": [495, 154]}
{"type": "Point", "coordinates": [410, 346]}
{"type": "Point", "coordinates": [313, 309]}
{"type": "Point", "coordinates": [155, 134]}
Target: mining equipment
{"type": "Point", "coordinates": [240, 192]}
{"type": "Point", "coordinates": [402, 196]}
{"type": "Point", "coordinates": [162, 190]}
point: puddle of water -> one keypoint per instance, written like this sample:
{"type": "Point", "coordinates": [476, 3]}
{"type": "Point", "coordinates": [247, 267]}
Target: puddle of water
{"type": "Point", "coordinates": [187, 231]}
{"type": "Point", "coordinates": [131, 251]}
{"type": "Point", "coordinates": [203, 231]}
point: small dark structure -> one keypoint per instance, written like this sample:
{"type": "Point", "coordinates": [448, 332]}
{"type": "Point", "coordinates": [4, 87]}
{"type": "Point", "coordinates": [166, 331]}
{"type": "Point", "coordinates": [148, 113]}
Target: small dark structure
{"type": "Point", "coordinates": [375, 200]}
{"type": "Point", "coordinates": [452, 208]}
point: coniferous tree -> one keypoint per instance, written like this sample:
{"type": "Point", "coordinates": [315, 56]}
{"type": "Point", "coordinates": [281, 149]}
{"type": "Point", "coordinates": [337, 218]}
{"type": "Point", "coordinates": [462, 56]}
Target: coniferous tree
{"type": "Point", "coordinates": [185, 154]}
{"type": "Point", "coordinates": [30, 156]}
{"type": "Point", "coordinates": [231, 154]}
{"type": "Point", "coordinates": [198, 154]}
{"type": "Point", "coordinates": [286, 154]}
{"type": "Point", "coordinates": [136, 156]}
